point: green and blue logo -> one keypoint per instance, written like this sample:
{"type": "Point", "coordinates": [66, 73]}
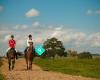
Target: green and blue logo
{"type": "Point", "coordinates": [39, 50]}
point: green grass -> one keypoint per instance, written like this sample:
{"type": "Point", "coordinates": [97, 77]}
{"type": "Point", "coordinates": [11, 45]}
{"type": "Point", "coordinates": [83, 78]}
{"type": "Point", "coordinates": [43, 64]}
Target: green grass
{"type": "Point", "coordinates": [83, 67]}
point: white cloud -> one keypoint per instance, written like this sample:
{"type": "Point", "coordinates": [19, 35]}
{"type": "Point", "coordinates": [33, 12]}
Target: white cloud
{"type": "Point", "coordinates": [93, 12]}
{"type": "Point", "coordinates": [24, 26]}
{"type": "Point", "coordinates": [55, 34]}
{"type": "Point", "coordinates": [94, 40]}
{"type": "Point", "coordinates": [98, 12]}
{"type": "Point", "coordinates": [18, 27]}
{"type": "Point", "coordinates": [38, 40]}
{"type": "Point", "coordinates": [36, 24]}
{"type": "Point", "coordinates": [89, 12]}
{"type": "Point", "coordinates": [40, 34]}
{"type": "Point", "coordinates": [32, 12]}
{"type": "Point", "coordinates": [3, 32]}
{"type": "Point", "coordinates": [80, 36]}
{"type": "Point", "coordinates": [20, 43]}
{"type": "Point", "coordinates": [50, 27]}
{"type": "Point", "coordinates": [6, 38]}
{"type": "Point", "coordinates": [58, 28]}
{"type": "Point", "coordinates": [1, 8]}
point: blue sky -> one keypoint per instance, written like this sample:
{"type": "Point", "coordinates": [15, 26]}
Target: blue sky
{"type": "Point", "coordinates": [79, 16]}
{"type": "Point", "coordinates": [66, 12]}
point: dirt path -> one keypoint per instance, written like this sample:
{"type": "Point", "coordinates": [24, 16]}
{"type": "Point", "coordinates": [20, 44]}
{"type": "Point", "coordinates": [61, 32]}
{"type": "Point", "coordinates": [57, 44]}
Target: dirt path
{"type": "Point", "coordinates": [20, 73]}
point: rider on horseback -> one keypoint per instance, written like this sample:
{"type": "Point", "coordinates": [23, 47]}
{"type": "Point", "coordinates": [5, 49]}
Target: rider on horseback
{"type": "Point", "coordinates": [12, 44]}
{"type": "Point", "coordinates": [29, 40]}
{"type": "Point", "coordinates": [29, 53]}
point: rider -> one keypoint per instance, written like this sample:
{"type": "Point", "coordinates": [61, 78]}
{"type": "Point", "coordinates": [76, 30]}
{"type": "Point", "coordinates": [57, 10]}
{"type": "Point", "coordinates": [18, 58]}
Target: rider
{"type": "Point", "coordinates": [12, 44]}
{"type": "Point", "coordinates": [28, 42]}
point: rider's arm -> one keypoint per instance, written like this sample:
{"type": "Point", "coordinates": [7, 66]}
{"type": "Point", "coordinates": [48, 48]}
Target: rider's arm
{"type": "Point", "coordinates": [27, 42]}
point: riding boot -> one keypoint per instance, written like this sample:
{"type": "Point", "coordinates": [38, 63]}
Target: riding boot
{"type": "Point", "coordinates": [16, 56]}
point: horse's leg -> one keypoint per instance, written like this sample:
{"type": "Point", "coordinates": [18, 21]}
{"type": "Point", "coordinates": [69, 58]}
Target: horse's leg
{"type": "Point", "coordinates": [9, 62]}
{"type": "Point", "coordinates": [13, 63]}
{"type": "Point", "coordinates": [31, 63]}
{"type": "Point", "coordinates": [27, 63]}
{"type": "Point", "coordinates": [26, 59]}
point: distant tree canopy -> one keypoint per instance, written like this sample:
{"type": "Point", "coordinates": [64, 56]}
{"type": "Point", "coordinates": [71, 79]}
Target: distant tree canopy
{"type": "Point", "coordinates": [54, 47]}
{"type": "Point", "coordinates": [85, 55]}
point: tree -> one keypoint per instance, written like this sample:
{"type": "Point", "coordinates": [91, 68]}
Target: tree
{"type": "Point", "coordinates": [72, 52]}
{"type": "Point", "coordinates": [85, 55]}
{"type": "Point", "coordinates": [54, 47]}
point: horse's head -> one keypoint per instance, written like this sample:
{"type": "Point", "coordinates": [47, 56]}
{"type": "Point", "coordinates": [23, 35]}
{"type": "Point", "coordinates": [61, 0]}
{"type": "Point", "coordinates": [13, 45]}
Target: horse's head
{"type": "Point", "coordinates": [31, 44]}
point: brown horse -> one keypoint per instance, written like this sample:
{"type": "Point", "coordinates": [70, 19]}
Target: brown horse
{"type": "Point", "coordinates": [29, 55]}
{"type": "Point", "coordinates": [11, 55]}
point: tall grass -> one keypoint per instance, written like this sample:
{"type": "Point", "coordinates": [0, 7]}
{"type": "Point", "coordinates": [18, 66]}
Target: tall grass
{"type": "Point", "coordinates": [73, 66]}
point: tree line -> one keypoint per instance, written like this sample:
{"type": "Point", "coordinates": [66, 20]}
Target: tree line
{"type": "Point", "coordinates": [54, 47]}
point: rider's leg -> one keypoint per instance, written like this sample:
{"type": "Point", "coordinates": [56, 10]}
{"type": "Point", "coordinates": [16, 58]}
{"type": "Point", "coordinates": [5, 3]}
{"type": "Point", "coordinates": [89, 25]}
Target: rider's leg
{"type": "Point", "coordinates": [16, 50]}
{"type": "Point", "coordinates": [25, 50]}
{"type": "Point", "coordinates": [8, 49]}
{"type": "Point", "coordinates": [16, 53]}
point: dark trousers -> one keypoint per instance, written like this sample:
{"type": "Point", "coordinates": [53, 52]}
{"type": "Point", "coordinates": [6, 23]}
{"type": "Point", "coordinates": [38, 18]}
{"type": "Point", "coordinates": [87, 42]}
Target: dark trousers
{"type": "Point", "coordinates": [26, 49]}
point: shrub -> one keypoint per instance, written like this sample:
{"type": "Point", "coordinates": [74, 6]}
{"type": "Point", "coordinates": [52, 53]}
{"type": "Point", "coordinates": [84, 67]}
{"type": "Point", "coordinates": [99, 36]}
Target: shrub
{"type": "Point", "coordinates": [72, 53]}
{"type": "Point", "coordinates": [85, 55]}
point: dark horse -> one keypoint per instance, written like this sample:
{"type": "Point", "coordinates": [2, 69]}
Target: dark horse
{"type": "Point", "coordinates": [29, 55]}
{"type": "Point", "coordinates": [11, 55]}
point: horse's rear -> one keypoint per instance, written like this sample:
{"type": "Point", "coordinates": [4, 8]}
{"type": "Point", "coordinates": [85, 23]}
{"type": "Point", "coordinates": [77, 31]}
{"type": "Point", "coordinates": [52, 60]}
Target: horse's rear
{"type": "Point", "coordinates": [11, 55]}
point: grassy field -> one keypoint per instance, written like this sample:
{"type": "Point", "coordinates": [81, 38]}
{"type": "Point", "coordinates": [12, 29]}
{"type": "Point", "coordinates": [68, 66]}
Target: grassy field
{"type": "Point", "coordinates": [83, 67]}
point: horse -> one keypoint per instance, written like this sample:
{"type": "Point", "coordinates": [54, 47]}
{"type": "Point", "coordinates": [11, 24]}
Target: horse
{"type": "Point", "coordinates": [11, 55]}
{"type": "Point", "coordinates": [29, 55]}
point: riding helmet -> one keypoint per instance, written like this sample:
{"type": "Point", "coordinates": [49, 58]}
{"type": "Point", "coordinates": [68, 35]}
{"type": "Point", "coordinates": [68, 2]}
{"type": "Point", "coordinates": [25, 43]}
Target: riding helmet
{"type": "Point", "coordinates": [30, 35]}
{"type": "Point", "coordinates": [12, 36]}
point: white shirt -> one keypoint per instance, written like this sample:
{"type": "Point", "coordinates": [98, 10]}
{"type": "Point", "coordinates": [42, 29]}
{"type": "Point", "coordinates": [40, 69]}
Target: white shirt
{"type": "Point", "coordinates": [28, 40]}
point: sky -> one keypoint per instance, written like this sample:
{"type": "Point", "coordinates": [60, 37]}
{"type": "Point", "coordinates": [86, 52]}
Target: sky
{"type": "Point", "coordinates": [75, 22]}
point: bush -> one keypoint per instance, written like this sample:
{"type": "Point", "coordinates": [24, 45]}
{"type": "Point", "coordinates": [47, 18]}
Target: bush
{"type": "Point", "coordinates": [72, 53]}
{"type": "Point", "coordinates": [85, 55]}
